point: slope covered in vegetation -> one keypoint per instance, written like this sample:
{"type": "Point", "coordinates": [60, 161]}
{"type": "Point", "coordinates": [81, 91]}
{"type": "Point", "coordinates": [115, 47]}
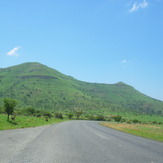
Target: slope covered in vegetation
{"type": "Point", "coordinates": [36, 85]}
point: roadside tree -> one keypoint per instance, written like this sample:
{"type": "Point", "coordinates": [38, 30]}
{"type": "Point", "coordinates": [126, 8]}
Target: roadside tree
{"type": "Point", "coordinates": [9, 105]}
{"type": "Point", "coordinates": [78, 113]}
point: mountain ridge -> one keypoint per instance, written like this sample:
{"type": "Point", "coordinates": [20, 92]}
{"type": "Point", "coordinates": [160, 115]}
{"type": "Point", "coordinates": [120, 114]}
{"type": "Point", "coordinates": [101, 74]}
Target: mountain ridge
{"type": "Point", "coordinates": [37, 85]}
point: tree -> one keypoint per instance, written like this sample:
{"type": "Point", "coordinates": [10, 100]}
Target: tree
{"type": "Point", "coordinates": [78, 113]}
{"type": "Point", "coordinates": [9, 105]}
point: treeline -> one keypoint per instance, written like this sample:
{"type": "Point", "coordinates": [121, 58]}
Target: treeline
{"type": "Point", "coordinates": [12, 112]}
{"type": "Point", "coordinates": [9, 108]}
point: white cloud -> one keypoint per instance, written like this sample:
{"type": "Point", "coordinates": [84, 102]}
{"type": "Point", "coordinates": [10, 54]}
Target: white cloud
{"type": "Point", "coordinates": [124, 61]}
{"type": "Point", "coordinates": [13, 52]}
{"type": "Point", "coordinates": [136, 6]}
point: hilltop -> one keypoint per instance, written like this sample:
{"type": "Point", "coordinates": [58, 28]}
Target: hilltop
{"type": "Point", "coordinates": [34, 84]}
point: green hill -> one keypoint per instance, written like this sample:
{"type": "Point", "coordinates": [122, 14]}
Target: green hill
{"type": "Point", "coordinates": [34, 84]}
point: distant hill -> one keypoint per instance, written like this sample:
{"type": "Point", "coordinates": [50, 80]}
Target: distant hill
{"type": "Point", "coordinates": [34, 84]}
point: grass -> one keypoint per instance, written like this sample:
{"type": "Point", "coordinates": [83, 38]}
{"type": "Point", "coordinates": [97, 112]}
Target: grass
{"type": "Point", "coordinates": [144, 118]}
{"type": "Point", "coordinates": [25, 121]}
{"type": "Point", "coordinates": [150, 131]}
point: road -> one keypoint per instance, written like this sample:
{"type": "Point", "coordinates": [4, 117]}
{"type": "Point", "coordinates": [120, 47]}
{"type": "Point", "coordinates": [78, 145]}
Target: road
{"type": "Point", "coordinates": [76, 142]}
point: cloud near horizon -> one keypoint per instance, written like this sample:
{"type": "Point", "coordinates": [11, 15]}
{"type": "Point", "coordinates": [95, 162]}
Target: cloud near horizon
{"type": "Point", "coordinates": [136, 6]}
{"type": "Point", "coordinates": [13, 52]}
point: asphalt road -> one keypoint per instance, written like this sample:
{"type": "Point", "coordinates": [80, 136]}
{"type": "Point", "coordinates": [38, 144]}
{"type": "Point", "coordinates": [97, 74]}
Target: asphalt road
{"type": "Point", "coordinates": [76, 142]}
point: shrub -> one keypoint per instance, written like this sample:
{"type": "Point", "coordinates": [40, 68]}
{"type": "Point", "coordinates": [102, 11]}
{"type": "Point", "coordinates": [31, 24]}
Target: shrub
{"type": "Point", "coordinates": [129, 121]}
{"type": "Point", "coordinates": [47, 114]}
{"type": "Point", "coordinates": [117, 118]}
{"type": "Point", "coordinates": [78, 113]}
{"type": "Point", "coordinates": [70, 115]}
{"type": "Point", "coordinates": [30, 110]}
{"type": "Point", "coordinates": [59, 115]}
{"type": "Point", "coordinates": [154, 122]}
{"type": "Point", "coordinates": [38, 113]}
{"type": "Point", "coordinates": [100, 118]}
{"type": "Point", "coordinates": [123, 120]}
{"type": "Point", "coordinates": [108, 118]}
{"type": "Point", "coordinates": [90, 117]}
{"type": "Point", "coordinates": [135, 121]}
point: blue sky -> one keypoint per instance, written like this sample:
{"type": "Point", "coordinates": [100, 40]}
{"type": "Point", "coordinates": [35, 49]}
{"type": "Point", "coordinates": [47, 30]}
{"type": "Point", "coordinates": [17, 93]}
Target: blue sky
{"type": "Point", "coordinates": [102, 41]}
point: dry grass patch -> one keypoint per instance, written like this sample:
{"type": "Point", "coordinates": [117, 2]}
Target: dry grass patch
{"type": "Point", "coordinates": [151, 131]}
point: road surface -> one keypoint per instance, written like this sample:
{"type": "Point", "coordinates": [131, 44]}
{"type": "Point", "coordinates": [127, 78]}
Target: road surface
{"type": "Point", "coordinates": [76, 142]}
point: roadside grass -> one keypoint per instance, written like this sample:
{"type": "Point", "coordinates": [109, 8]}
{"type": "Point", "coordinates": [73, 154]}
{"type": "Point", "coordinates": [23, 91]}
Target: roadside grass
{"type": "Point", "coordinates": [129, 116]}
{"type": "Point", "coordinates": [144, 118]}
{"type": "Point", "coordinates": [25, 121]}
{"type": "Point", "coordinates": [150, 131]}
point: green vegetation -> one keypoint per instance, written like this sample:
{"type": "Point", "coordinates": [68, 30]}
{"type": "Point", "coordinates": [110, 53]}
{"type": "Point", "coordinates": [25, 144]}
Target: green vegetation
{"type": "Point", "coordinates": [125, 117]}
{"type": "Point", "coordinates": [59, 115]}
{"type": "Point", "coordinates": [9, 105]}
{"type": "Point", "coordinates": [78, 113]}
{"type": "Point", "coordinates": [43, 94]}
{"type": "Point", "coordinates": [151, 131]}
{"type": "Point", "coordinates": [70, 115]}
{"type": "Point", "coordinates": [25, 121]}
{"type": "Point", "coordinates": [29, 117]}
{"type": "Point", "coordinates": [38, 86]}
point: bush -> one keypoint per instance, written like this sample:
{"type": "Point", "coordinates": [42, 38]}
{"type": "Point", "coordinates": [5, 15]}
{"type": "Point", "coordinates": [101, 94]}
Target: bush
{"type": "Point", "coordinates": [90, 117]}
{"type": "Point", "coordinates": [108, 119]}
{"type": "Point", "coordinates": [154, 122]}
{"type": "Point", "coordinates": [129, 121]}
{"type": "Point", "coordinates": [78, 113]}
{"type": "Point", "coordinates": [135, 121]}
{"type": "Point", "coordinates": [123, 120]}
{"type": "Point", "coordinates": [70, 115]}
{"type": "Point", "coordinates": [47, 114]}
{"type": "Point", "coordinates": [30, 110]}
{"type": "Point", "coordinates": [100, 118]}
{"type": "Point", "coordinates": [59, 115]}
{"type": "Point", "coordinates": [38, 113]}
{"type": "Point", "coordinates": [117, 118]}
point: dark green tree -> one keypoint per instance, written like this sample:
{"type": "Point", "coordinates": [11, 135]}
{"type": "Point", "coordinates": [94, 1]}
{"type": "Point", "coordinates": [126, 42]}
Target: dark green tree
{"type": "Point", "coordinates": [9, 105]}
